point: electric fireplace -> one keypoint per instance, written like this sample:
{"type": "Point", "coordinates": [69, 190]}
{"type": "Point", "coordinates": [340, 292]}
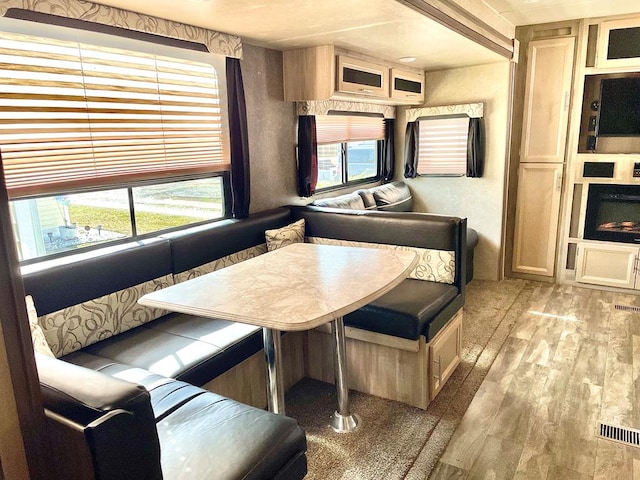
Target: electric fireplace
{"type": "Point", "coordinates": [613, 213]}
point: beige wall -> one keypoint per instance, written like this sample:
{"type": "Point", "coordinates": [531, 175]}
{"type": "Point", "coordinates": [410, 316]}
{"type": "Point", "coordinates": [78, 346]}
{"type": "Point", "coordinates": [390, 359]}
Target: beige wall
{"type": "Point", "coordinates": [480, 200]}
{"type": "Point", "coordinates": [271, 124]}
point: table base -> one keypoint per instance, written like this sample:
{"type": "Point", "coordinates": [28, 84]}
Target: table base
{"type": "Point", "coordinates": [344, 423]}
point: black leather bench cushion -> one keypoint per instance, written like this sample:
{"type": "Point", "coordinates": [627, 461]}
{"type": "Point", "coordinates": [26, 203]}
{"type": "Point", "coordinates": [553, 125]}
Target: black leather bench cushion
{"type": "Point", "coordinates": [188, 348]}
{"type": "Point", "coordinates": [72, 280]}
{"type": "Point", "coordinates": [406, 311]}
{"type": "Point", "coordinates": [107, 409]}
{"type": "Point", "coordinates": [233, 441]}
{"type": "Point", "coordinates": [166, 394]}
{"type": "Point", "coordinates": [197, 246]}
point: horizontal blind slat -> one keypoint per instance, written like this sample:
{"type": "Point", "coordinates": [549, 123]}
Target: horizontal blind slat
{"type": "Point", "coordinates": [442, 146]}
{"type": "Point", "coordinates": [73, 114]}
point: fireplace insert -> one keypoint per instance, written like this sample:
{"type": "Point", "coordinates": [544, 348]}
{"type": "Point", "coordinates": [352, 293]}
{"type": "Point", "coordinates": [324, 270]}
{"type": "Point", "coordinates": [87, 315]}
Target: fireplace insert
{"type": "Point", "coordinates": [613, 213]}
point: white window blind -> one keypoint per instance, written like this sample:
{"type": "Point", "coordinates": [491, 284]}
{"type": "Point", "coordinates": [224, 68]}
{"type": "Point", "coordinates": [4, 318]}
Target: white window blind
{"type": "Point", "coordinates": [348, 128]}
{"type": "Point", "coordinates": [442, 146]}
{"type": "Point", "coordinates": [75, 115]}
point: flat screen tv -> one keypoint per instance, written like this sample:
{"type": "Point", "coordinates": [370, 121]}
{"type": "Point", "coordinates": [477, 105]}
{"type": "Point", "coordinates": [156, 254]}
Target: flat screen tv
{"type": "Point", "coordinates": [620, 107]}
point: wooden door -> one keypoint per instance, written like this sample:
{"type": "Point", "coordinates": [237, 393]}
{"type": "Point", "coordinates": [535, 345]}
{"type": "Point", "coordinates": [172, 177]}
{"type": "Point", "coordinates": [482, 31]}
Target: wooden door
{"type": "Point", "coordinates": [546, 103]}
{"type": "Point", "coordinates": [537, 211]}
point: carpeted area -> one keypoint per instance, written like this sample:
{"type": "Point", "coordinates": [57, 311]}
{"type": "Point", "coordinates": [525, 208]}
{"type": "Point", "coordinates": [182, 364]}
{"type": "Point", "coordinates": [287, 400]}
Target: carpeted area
{"type": "Point", "coordinates": [398, 441]}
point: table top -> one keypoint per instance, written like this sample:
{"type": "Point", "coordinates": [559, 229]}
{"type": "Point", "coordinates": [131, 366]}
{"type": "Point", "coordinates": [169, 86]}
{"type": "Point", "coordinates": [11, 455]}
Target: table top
{"type": "Point", "coordinates": [297, 287]}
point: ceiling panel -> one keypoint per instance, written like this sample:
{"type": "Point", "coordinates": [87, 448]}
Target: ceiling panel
{"type": "Point", "coordinates": [531, 12]}
{"type": "Point", "coordinates": [385, 29]}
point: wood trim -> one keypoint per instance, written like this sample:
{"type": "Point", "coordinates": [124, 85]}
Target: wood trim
{"type": "Point", "coordinates": [25, 430]}
{"type": "Point", "coordinates": [497, 46]}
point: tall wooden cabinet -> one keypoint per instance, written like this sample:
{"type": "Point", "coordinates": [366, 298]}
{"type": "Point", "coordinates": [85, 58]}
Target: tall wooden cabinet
{"type": "Point", "coordinates": [542, 154]}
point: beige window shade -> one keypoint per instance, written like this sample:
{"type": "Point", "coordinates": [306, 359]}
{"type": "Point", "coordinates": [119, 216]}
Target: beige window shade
{"type": "Point", "coordinates": [348, 128]}
{"type": "Point", "coordinates": [75, 115]}
{"type": "Point", "coordinates": [442, 146]}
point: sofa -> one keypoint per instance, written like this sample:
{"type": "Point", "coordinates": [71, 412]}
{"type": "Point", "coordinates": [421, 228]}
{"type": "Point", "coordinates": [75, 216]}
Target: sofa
{"type": "Point", "coordinates": [143, 393]}
{"type": "Point", "coordinates": [392, 197]}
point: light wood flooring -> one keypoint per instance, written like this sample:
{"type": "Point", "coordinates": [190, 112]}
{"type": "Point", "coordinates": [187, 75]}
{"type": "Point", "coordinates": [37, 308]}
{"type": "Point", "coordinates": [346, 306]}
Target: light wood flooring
{"type": "Point", "coordinates": [570, 361]}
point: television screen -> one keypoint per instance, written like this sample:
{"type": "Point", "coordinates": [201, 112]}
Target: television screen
{"type": "Point", "coordinates": [620, 107]}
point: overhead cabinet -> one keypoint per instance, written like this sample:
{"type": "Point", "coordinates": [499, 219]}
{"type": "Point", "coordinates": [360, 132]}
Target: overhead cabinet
{"type": "Point", "coordinates": [321, 73]}
{"type": "Point", "coordinates": [362, 78]}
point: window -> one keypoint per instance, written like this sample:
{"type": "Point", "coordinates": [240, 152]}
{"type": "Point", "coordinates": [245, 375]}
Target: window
{"type": "Point", "coordinates": [101, 143]}
{"type": "Point", "coordinates": [442, 145]}
{"type": "Point", "coordinates": [348, 149]}
{"type": "Point", "coordinates": [55, 224]}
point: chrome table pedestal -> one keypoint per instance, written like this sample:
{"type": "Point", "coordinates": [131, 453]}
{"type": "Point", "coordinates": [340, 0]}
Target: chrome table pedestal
{"type": "Point", "coordinates": [342, 421]}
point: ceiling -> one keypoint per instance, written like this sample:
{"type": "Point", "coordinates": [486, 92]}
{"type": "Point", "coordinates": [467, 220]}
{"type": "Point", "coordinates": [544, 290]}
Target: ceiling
{"type": "Point", "coordinates": [530, 12]}
{"type": "Point", "coordinates": [386, 29]}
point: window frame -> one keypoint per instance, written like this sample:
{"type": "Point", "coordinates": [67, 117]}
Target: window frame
{"type": "Point", "coordinates": [134, 237]}
{"type": "Point", "coordinates": [345, 173]}
{"type": "Point", "coordinates": [116, 38]}
{"type": "Point", "coordinates": [442, 117]}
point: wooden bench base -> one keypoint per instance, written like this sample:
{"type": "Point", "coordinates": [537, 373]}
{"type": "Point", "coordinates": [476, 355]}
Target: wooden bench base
{"type": "Point", "coordinates": [408, 371]}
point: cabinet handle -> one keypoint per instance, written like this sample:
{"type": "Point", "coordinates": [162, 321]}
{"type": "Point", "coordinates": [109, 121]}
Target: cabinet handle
{"type": "Point", "coordinates": [558, 182]}
{"type": "Point", "coordinates": [567, 97]}
{"type": "Point", "coordinates": [366, 90]}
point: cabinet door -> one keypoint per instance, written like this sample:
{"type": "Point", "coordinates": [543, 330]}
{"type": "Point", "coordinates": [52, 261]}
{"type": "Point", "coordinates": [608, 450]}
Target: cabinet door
{"type": "Point", "coordinates": [444, 354]}
{"type": "Point", "coordinates": [408, 86]}
{"type": "Point", "coordinates": [537, 211]}
{"type": "Point", "coordinates": [610, 265]}
{"type": "Point", "coordinates": [546, 102]}
{"type": "Point", "coordinates": [362, 77]}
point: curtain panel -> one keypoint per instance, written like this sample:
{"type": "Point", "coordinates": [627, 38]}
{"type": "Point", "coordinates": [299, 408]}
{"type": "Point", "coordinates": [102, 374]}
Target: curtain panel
{"type": "Point", "coordinates": [307, 155]}
{"type": "Point", "coordinates": [389, 150]}
{"type": "Point", "coordinates": [475, 148]}
{"type": "Point", "coordinates": [411, 150]}
{"type": "Point", "coordinates": [239, 141]}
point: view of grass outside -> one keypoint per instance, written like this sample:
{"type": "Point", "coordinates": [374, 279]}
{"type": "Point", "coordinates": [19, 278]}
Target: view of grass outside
{"type": "Point", "coordinates": [117, 220]}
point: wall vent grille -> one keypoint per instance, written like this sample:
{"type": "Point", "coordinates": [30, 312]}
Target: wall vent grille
{"type": "Point", "coordinates": [627, 308]}
{"type": "Point", "coordinates": [626, 435]}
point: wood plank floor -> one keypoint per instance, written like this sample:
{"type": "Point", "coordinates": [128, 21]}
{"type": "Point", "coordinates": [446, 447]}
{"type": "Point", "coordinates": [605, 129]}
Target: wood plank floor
{"type": "Point", "coordinates": [572, 360]}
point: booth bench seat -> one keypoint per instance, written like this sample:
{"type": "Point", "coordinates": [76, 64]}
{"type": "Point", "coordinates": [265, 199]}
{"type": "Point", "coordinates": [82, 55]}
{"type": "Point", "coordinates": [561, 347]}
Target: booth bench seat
{"type": "Point", "coordinates": [111, 350]}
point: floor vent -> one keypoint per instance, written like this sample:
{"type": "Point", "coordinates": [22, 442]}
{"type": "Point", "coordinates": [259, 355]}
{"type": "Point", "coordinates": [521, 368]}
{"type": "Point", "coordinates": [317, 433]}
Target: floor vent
{"type": "Point", "coordinates": [626, 435]}
{"type": "Point", "coordinates": [627, 308]}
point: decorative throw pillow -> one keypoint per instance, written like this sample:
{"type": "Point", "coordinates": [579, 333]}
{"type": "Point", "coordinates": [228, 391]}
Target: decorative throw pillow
{"type": "Point", "coordinates": [40, 344]}
{"type": "Point", "coordinates": [281, 237]}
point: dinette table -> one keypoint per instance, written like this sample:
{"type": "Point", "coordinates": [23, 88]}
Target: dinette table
{"type": "Point", "coordinates": [294, 288]}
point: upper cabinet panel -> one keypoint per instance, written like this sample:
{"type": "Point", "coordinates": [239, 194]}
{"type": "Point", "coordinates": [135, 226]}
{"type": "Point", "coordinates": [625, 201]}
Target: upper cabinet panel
{"type": "Point", "coordinates": [547, 96]}
{"type": "Point", "coordinates": [326, 72]}
{"type": "Point", "coordinates": [362, 78]}
{"type": "Point", "coordinates": [619, 44]}
{"type": "Point", "coordinates": [407, 85]}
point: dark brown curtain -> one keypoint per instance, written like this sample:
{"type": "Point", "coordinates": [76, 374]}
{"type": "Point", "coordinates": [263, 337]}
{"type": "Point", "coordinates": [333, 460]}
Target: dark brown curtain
{"type": "Point", "coordinates": [475, 148]}
{"type": "Point", "coordinates": [411, 150]}
{"type": "Point", "coordinates": [389, 150]}
{"type": "Point", "coordinates": [239, 139]}
{"type": "Point", "coordinates": [307, 155]}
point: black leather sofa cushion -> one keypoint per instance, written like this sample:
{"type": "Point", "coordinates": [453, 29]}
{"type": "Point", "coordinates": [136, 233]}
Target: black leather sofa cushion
{"type": "Point", "coordinates": [188, 348]}
{"type": "Point", "coordinates": [406, 311]}
{"type": "Point", "coordinates": [197, 246]}
{"type": "Point", "coordinates": [79, 278]}
{"type": "Point", "coordinates": [233, 441]}
{"type": "Point", "coordinates": [107, 409]}
{"type": "Point", "coordinates": [393, 197]}
{"type": "Point", "coordinates": [166, 394]}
